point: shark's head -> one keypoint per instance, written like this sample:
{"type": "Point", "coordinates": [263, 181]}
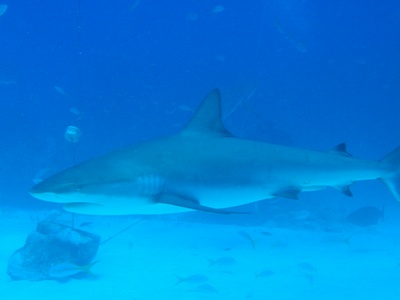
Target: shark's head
{"type": "Point", "coordinates": [102, 184]}
{"type": "Point", "coordinates": [54, 189]}
{"type": "Point", "coordinates": [71, 185]}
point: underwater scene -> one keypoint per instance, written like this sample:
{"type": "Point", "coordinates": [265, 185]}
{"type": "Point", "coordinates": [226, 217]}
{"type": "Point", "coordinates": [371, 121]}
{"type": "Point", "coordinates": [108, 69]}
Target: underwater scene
{"type": "Point", "coordinates": [199, 149]}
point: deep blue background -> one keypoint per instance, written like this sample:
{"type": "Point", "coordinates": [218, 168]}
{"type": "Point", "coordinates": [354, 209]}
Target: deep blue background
{"type": "Point", "coordinates": [308, 73]}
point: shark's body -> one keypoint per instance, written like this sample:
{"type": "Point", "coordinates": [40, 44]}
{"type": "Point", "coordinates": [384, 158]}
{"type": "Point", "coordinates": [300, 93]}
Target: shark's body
{"type": "Point", "coordinates": [206, 168]}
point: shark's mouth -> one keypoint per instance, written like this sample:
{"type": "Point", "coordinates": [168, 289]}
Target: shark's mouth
{"type": "Point", "coordinates": [50, 197]}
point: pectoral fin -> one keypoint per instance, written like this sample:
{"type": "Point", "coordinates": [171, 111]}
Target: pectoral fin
{"type": "Point", "coordinates": [187, 202]}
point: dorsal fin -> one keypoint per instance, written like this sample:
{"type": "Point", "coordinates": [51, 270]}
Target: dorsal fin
{"type": "Point", "coordinates": [207, 118]}
{"type": "Point", "coordinates": [341, 149]}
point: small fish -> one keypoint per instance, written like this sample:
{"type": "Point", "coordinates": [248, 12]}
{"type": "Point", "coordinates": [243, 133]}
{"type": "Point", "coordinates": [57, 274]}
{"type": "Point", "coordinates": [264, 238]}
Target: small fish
{"type": "Point", "coordinates": [300, 214]}
{"type": "Point", "coordinates": [218, 9]}
{"type": "Point", "coordinates": [309, 277]}
{"type": "Point", "coordinates": [60, 90]}
{"type": "Point", "coordinates": [266, 233]}
{"type": "Point", "coordinates": [193, 279]}
{"type": "Point", "coordinates": [224, 261]}
{"type": "Point", "coordinates": [249, 238]}
{"type": "Point", "coordinates": [184, 108]}
{"type": "Point", "coordinates": [75, 111]}
{"type": "Point", "coordinates": [306, 267]}
{"type": "Point", "coordinates": [366, 216]}
{"type": "Point", "coordinates": [3, 9]}
{"type": "Point", "coordinates": [67, 269]}
{"type": "Point", "coordinates": [85, 224]}
{"type": "Point", "coordinates": [192, 17]}
{"type": "Point", "coordinates": [302, 47]}
{"type": "Point", "coordinates": [334, 239]}
{"type": "Point", "coordinates": [280, 245]}
{"type": "Point", "coordinates": [265, 273]}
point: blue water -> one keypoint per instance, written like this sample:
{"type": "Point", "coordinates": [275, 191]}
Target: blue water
{"type": "Point", "coordinates": [308, 74]}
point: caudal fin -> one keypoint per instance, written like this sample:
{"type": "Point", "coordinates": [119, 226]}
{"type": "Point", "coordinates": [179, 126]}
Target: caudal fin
{"type": "Point", "coordinates": [391, 163]}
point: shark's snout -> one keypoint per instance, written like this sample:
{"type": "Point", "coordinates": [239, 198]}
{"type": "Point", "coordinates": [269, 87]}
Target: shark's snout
{"type": "Point", "coordinates": [46, 196]}
{"type": "Point", "coordinates": [51, 190]}
{"type": "Point", "coordinates": [38, 189]}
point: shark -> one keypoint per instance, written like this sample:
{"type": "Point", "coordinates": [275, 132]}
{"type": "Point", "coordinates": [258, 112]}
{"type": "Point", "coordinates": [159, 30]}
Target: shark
{"type": "Point", "coordinates": [205, 168]}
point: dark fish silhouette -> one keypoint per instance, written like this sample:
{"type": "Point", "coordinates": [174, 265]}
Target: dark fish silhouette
{"type": "Point", "coordinates": [196, 278]}
{"type": "Point", "coordinates": [85, 224]}
{"type": "Point", "coordinates": [67, 269]}
{"type": "Point", "coordinates": [365, 216]}
{"type": "Point", "coordinates": [265, 273]}
{"type": "Point", "coordinates": [223, 261]}
{"type": "Point", "coordinates": [305, 266]}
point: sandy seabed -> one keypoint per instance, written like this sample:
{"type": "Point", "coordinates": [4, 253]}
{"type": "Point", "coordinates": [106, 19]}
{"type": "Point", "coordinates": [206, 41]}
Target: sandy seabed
{"type": "Point", "coordinates": [257, 262]}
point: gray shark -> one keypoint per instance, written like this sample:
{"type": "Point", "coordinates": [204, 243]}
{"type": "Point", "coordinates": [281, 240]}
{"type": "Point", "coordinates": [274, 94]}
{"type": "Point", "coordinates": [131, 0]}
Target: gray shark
{"type": "Point", "coordinates": [205, 168]}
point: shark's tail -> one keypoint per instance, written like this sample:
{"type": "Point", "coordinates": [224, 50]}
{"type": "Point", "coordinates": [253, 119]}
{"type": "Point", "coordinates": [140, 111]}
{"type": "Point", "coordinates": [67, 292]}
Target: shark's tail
{"type": "Point", "coordinates": [391, 163]}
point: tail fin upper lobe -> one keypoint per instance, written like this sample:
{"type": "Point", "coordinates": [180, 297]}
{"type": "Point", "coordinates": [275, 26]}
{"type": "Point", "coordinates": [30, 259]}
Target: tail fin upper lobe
{"type": "Point", "coordinates": [391, 163]}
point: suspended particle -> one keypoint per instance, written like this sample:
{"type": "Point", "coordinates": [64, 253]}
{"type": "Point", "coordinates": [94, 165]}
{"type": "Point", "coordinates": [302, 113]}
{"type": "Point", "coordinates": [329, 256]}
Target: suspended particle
{"type": "Point", "coordinates": [72, 134]}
